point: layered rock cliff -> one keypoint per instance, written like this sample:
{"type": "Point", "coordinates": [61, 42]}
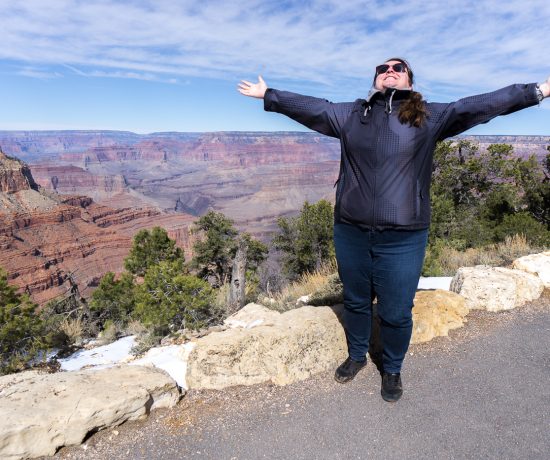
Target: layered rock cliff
{"type": "Point", "coordinates": [14, 175]}
{"type": "Point", "coordinates": [46, 238]}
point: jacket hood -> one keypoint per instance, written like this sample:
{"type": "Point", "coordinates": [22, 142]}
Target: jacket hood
{"type": "Point", "coordinates": [373, 93]}
{"type": "Point", "coordinates": [389, 95]}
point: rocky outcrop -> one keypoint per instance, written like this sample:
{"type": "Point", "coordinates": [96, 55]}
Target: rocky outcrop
{"type": "Point", "coordinates": [536, 264]}
{"type": "Point", "coordinates": [44, 251]}
{"type": "Point", "coordinates": [254, 178]}
{"type": "Point", "coordinates": [435, 313]}
{"type": "Point", "coordinates": [42, 412]}
{"type": "Point", "coordinates": [14, 175]}
{"type": "Point", "coordinates": [282, 349]}
{"type": "Point", "coordinates": [495, 288]}
{"type": "Point", "coordinates": [104, 216]}
{"type": "Point", "coordinates": [69, 179]}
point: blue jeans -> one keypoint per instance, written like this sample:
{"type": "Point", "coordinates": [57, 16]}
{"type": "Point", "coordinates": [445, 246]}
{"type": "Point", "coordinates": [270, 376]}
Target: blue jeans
{"type": "Point", "coordinates": [385, 265]}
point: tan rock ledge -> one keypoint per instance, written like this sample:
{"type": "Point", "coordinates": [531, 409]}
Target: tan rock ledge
{"type": "Point", "coordinates": [496, 288]}
{"type": "Point", "coordinates": [42, 412]}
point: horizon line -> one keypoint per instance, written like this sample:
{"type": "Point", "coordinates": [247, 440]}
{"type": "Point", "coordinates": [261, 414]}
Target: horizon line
{"type": "Point", "coordinates": [225, 131]}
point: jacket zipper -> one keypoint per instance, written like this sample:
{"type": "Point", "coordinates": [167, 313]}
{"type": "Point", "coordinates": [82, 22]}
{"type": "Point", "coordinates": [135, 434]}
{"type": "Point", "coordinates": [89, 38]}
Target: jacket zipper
{"type": "Point", "coordinates": [384, 128]}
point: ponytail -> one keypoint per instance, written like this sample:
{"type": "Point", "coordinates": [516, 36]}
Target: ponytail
{"type": "Point", "coordinates": [413, 110]}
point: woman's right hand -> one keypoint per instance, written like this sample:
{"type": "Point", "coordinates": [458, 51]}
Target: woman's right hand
{"type": "Point", "coordinates": [253, 89]}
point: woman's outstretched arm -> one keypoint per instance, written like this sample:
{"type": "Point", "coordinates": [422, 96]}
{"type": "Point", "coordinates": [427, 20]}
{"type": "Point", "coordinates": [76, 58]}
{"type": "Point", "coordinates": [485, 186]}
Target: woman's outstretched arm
{"type": "Point", "coordinates": [468, 112]}
{"type": "Point", "coordinates": [318, 114]}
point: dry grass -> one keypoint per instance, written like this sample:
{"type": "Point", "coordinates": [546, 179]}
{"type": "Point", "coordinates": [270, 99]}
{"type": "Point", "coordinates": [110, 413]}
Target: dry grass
{"type": "Point", "coordinates": [135, 327]}
{"type": "Point", "coordinates": [73, 328]}
{"type": "Point", "coordinates": [222, 297]}
{"type": "Point", "coordinates": [307, 284]}
{"type": "Point", "coordinates": [500, 254]}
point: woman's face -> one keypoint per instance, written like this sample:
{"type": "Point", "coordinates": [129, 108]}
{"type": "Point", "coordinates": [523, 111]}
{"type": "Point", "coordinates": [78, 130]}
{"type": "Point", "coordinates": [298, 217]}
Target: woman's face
{"type": "Point", "coordinates": [391, 78]}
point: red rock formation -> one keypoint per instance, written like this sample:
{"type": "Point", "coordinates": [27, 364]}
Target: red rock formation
{"type": "Point", "coordinates": [14, 175]}
{"type": "Point", "coordinates": [68, 179]}
{"type": "Point", "coordinates": [45, 238]}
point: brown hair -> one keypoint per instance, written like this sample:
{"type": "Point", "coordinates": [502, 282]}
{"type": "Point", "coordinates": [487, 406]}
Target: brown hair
{"type": "Point", "coordinates": [413, 110]}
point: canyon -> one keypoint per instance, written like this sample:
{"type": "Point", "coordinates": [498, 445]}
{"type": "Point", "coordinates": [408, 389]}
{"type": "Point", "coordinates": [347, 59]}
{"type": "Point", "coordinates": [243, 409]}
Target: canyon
{"type": "Point", "coordinates": [68, 215]}
{"type": "Point", "coordinates": [52, 244]}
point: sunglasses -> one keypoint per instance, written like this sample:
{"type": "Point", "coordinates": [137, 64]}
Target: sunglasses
{"type": "Point", "coordinates": [383, 68]}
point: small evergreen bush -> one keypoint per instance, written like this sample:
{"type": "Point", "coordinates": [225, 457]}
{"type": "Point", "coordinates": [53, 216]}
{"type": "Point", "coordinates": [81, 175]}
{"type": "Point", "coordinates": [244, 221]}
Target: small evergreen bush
{"type": "Point", "coordinates": [113, 300]}
{"type": "Point", "coordinates": [171, 300]}
{"type": "Point", "coordinates": [150, 248]}
{"type": "Point", "coordinates": [20, 329]}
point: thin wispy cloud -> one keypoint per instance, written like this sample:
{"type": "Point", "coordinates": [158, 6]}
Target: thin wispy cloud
{"type": "Point", "coordinates": [33, 73]}
{"type": "Point", "coordinates": [460, 47]}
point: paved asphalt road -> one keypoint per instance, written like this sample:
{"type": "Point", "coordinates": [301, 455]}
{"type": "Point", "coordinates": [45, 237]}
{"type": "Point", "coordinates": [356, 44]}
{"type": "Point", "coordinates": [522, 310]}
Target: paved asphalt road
{"type": "Point", "coordinates": [483, 393]}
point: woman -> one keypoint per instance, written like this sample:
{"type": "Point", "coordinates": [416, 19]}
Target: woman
{"type": "Point", "coordinates": [382, 210]}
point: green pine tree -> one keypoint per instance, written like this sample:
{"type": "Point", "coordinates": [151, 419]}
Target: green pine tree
{"type": "Point", "coordinates": [306, 240]}
{"type": "Point", "coordinates": [113, 300]}
{"type": "Point", "coordinates": [215, 251]}
{"type": "Point", "coordinates": [150, 248]}
{"type": "Point", "coordinates": [168, 299]}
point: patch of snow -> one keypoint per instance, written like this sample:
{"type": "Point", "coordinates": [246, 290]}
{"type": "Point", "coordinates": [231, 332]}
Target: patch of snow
{"type": "Point", "coordinates": [172, 359]}
{"type": "Point", "coordinates": [104, 356]}
{"type": "Point", "coordinates": [435, 282]}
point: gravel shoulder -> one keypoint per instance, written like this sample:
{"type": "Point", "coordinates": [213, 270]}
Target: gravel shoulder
{"type": "Point", "coordinates": [482, 392]}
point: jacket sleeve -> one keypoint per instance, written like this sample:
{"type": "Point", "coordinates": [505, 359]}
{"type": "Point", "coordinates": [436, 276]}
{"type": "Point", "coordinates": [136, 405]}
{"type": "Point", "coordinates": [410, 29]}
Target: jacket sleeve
{"type": "Point", "coordinates": [466, 113]}
{"type": "Point", "coordinates": [318, 114]}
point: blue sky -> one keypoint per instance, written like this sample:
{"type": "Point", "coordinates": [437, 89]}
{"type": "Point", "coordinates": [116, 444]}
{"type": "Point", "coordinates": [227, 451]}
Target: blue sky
{"type": "Point", "coordinates": [159, 65]}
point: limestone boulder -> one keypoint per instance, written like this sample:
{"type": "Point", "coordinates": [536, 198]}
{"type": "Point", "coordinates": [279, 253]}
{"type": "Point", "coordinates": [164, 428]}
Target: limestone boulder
{"type": "Point", "coordinates": [252, 315]}
{"type": "Point", "coordinates": [536, 264]}
{"type": "Point", "coordinates": [289, 347]}
{"type": "Point", "coordinates": [435, 313]}
{"type": "Point", "coordinates": [495, 288]}
{"type": "Point", "coordinates": [42, 412]}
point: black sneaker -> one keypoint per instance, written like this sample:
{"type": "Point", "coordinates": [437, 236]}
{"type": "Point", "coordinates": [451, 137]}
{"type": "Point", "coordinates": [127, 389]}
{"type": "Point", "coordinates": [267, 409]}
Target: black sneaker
{"type": "Point", "coordinates": [392, 389]}
{"type": "Point", "coordinates": [348, 370]}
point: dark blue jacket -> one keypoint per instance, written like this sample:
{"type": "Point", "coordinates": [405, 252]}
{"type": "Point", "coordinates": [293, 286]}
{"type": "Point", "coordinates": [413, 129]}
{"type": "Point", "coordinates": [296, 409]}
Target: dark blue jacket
{"type": "Point", "coordinates": [386, 166]}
